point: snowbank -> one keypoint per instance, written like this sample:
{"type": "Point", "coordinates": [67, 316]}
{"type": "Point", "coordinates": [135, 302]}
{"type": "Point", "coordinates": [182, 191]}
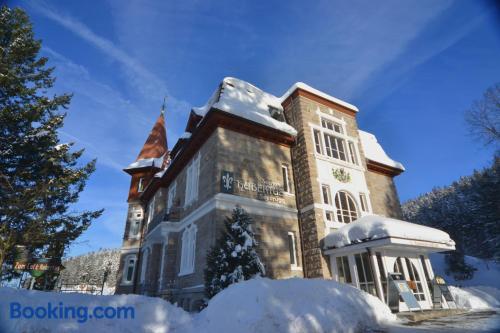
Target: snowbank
{"type": "Point", "coordinates": [476, 297]}
{"type": "Point", "coordinates": [293, 305]}
{"type": "Point", "coordinates": [258, 305]}
{"type": "Point", "coordinates": [487, 271]}
{"type": "Point", "coordinates": [373, 227]}
{"type": "Point", "coordinates": [151, 314]}
{"type": "Point", "coordinates": [247, 101]}
{"type": "Point", "coordinates": [374, 151]}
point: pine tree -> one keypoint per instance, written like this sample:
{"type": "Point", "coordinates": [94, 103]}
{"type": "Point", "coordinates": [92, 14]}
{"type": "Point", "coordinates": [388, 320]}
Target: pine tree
{"type": "Point", "coordinates": [233, 258]}
{"type": "Point", "coordinates": [39, 176]}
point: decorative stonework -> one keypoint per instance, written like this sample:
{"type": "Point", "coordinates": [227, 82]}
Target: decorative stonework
{"type": "Point", "coordinates": [341, 175]}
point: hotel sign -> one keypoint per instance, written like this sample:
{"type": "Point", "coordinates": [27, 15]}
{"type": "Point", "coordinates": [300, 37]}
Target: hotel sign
{"type": "Point", "coordinates": [263, 189]}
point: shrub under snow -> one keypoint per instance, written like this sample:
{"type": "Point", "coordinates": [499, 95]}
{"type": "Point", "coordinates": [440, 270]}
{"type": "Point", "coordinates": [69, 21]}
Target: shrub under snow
{"type": "Point", "coordinates": [479, 297]}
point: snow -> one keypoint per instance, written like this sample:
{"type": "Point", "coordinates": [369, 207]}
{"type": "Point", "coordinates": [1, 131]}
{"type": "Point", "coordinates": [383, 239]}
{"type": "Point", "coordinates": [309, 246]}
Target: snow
{"type": "Point", "coordinates": [371, 227]}
{"type": "Point", "coordinates": [185, 135]}
{"type": "Point", "coordinates": [487, 271]}
{"type": "Point", "coordinates": [303, 86]}
{"type": "Point", "coordinates": [374, 151]}
{"type": "Point", "coordinates": [244, 100]}
{"type": "Point", "coordinates": [257, 305]}
{"type": "Point", "coordinates": [476, 298]}
{"type": "Point", "coordinates": [151, 314]}
{"type": "Point", "coordinates": [146, 162]}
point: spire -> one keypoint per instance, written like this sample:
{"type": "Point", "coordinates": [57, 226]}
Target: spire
{"type": "Point", "coordinates": [156, 143]}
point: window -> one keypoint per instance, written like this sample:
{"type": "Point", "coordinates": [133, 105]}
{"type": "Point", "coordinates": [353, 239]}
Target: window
{"type": "Point", "coordinates": [329, 215]}
{"type": "Point", "coordinates": [328, 124]}
{"type": "Point", "coordinates": [418, 291]}
{"type": "Point", "coordinates": [352, 153]}
{"type": "Point", "coordinates": [346, 208]}
{"type": "Point", "coordinates": [414, 282]}
{"type": "Point", "coordinates": [344, 273]}
{"type": "Point", "coordinates": [128, 269]}
{"type": "Point", "coordinates": [325, 189]}
{"type": "Point", "coordinates": [140, 186]}
{"type": "Point", "coordinates": [365, 273]}
{"type": "Point", "coordinates": [171, 195]}
{"type": "Point", "coordinates": [188, 250]}
{"type": "Point", "coordinates": [135, 218]}
{"type": "Point", "coordinates": [276, 113]}
{"type": "Point", "coordinates": [144, 266]}
{"type": "Point", "coordinates": [292, 247]}
{"type": "Point", "coordinates": [192, 177]}
{"type": "Point", "coordinates": [317, 141]}
{"type": "Point", "coordinates": [151, 209]}
{"type": "Point", "coordinates": [335, 147]}
{"type": "Point", "coordinates": [362, 200]}
{"type": "Point", "coordinates": [286, 180]}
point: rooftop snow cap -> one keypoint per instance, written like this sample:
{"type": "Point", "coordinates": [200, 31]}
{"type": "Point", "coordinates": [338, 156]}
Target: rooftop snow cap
{"type": "Point", "coordinates": [244, 100]}
{"type": "Point", "coordinates": [303, 86]}
{"type": "Point", "coordinates": [373, 227]}
{"type": "Point", "coordinates": [155, 148]}
{"type": "Point", "coordinates": [374, 151]}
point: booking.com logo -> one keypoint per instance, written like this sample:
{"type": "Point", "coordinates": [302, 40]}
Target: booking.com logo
{"type": "Point", "coordinates": [61, 311]}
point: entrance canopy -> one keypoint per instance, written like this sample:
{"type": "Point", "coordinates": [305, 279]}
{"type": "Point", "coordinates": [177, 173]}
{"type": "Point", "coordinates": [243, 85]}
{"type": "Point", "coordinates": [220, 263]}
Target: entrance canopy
{"type": "Point", "coordinates": [378, 231]}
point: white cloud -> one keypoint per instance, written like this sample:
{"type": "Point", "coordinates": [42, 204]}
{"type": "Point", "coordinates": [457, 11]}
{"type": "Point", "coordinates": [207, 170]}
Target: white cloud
{"type": "Point", "coordinates": [144, 81]}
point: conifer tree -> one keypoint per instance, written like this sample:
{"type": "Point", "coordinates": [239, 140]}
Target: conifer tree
{"type": "Point", "coordinates": [234, 257]}
{"type": "Point", "coordinates": [40, 177]}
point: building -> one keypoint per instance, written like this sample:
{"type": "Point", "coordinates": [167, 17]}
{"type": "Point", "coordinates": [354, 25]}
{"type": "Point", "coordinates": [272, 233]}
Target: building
{"type": "Point", "coordinates": [298, 164]}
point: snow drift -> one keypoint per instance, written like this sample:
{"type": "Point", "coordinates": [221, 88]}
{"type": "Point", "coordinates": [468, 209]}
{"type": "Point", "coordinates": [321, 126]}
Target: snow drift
{"type": "Point", "coordinates": [258, 305]}
{"type": "Point", "coordinates": [476, 298]}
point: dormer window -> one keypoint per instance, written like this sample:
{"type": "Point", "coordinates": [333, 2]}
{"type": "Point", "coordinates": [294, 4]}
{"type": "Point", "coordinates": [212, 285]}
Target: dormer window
{"type": "Point", "coordinates": [140, 186]}
{"type": "Point", "coordinates": [276, 113]}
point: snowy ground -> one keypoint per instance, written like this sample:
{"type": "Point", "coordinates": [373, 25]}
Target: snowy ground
{"type": "Point", "coordinates": [259, 305]}
{"type": "Point", "coordinates": [487, 274]}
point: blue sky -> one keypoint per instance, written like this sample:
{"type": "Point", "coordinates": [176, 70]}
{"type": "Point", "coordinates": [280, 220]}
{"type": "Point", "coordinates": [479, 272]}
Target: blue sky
{"type": "Point", "coordinates": [411, 67]}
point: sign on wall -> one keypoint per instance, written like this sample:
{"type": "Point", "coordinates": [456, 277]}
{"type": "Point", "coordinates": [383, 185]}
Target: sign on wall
{"type": "Point", "coordinates": [262, 189]}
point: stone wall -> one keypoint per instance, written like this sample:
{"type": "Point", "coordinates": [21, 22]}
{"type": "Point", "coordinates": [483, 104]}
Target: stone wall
{"type": "Point", "coordinates": [383, 195]}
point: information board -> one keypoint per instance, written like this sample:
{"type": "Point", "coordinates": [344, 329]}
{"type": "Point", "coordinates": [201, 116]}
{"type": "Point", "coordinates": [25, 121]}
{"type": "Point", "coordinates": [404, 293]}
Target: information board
{"type": "Point", "coordinates": [400, 286]}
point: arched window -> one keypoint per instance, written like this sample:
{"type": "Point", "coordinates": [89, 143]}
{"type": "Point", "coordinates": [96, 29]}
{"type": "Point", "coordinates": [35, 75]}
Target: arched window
{"type": "Point", "coordinates": [188, 250]}
{"type": "Point", "coordinates": [414, 281]}
{"type": "Point", "coordinates": [346, 207]}
{"type": "Point", "coordinates": [128, 269]}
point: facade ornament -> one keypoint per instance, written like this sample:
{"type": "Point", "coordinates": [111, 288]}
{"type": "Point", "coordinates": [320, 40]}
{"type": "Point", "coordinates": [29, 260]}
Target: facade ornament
{"type": "Point", "coordinates": [341, 175]}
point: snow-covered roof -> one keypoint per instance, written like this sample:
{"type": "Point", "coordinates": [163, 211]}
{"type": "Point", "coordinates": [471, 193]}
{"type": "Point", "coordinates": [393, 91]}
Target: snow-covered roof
{"type": "Point", "coordinates": [303, 86]}
{"type": "Point", "coordinates": [374, 151]}
{"type": "Point", "coordinates": [247, 101]}
{"type": "Point", "coordinates": [373, 227]}
{"type": "Point", "coordinates": [185, 135]}
{"type": "Point", "coordinates": [146, 162]}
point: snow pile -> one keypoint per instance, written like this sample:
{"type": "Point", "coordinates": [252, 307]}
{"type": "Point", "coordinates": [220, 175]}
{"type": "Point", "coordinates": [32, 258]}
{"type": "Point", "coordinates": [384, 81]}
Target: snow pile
{"type": "Point", "coordinates": [372, 227]}
{"type": "Point", "coordinates": [487, 271]}
{"type": "Point", "coordinates": [151, 314]}
{"type": "Point", "coordinates": [294, 305]}
{"type": "Point", "coordinates": [146, 162]}
{"type": "Point", "coordinates": [247, 101]}
{"type": "Point", "coordinates": [476, 297]}
{"type": "Point", "coordinates": [257, 305]}
{"type": "Point", "coordinates": [303, 86]}
{"type": "Point", "coordinates": [374, 151]}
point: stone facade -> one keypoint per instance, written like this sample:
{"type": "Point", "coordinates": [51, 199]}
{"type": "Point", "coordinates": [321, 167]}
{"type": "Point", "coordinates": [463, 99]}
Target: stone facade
{"type": "Point", "coordinates": [254, 158]}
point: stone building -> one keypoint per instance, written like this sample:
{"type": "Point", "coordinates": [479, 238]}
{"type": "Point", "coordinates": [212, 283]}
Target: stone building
{"type": "Point", "coordinates": [298, 164]}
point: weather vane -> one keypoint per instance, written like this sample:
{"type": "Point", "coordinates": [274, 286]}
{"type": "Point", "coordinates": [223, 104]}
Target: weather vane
{"type": "Point", "coordinates": [163, 105]}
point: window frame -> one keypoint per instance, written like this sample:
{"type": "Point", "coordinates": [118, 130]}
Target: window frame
{"type": "Point", "coordinates": [172, 192]}
{"type": "Point", "coordinates": [188, 250]}
{"type": "Point", "coordinates": [363, 202]}
{"type": "Point", "coordinates": [286, 178]}
{"type": "Point", "coordinates": [292, 247]}
{"type": "Point", "coordinates": [192, 181]}
{"type": "Point", "coordinates": [327, 200]}
{"type": "Point", "coordinates": [363, 277]}
{"type": "Point", "coordinates": [340, 210]}
{"type": "Point", "coordinates": [140, 185]}
{"type": "Point", "coordinates": [126, 267]}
